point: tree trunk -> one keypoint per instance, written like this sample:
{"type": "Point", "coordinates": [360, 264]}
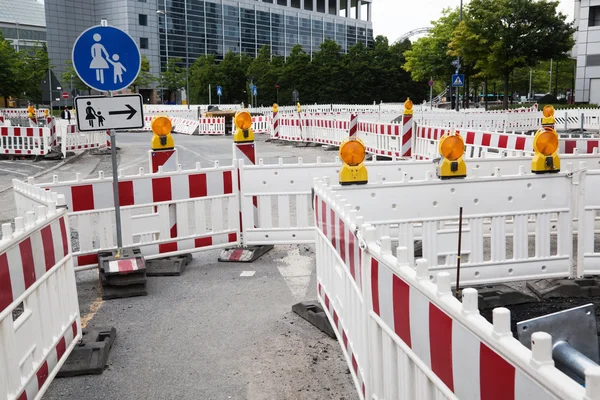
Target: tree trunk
{"type": "Point", "coordinates": [506, 82]}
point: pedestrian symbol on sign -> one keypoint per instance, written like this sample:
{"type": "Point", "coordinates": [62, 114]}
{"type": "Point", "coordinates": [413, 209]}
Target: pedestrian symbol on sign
{"type": "Point", "coordinates": [219, 91]}
{"type": "Point", "coordinates": [458, 80]}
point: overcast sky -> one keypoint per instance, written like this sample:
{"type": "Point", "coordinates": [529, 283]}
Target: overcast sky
{"type": "Point", "coordinates": [393, 18]}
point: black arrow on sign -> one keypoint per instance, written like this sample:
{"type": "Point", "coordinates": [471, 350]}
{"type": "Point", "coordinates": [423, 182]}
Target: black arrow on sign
{"type": "Point", "coordinates": [132, 111]}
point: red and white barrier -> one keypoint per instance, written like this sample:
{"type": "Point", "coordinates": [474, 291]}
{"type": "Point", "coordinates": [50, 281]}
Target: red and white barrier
{"type": "Point", "coordinates": [36, 273]}
{"type": "Point", "coordinates": [71, 139]}
{"type": "Point", "coordinates": [200, 195]}
{"type": "Point", "coordinates": [261, 124]}
{"type": "Point", "coordinates": [405, 337]}
{"type": "Point", "coordinates": [28, 140]}
{"type": "Point", "coordinates": [22, 113]}
{"type": "Point", "coordinates": [276, 124]}
{"type": "Point", "coordinates": [211, 126]}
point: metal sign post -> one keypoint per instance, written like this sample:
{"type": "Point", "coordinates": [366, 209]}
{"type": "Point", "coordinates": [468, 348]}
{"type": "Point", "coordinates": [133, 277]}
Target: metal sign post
{"type": "Point", "coordinates": [107, 59]}
{"type": "Point", "coordinates": [431, 94]}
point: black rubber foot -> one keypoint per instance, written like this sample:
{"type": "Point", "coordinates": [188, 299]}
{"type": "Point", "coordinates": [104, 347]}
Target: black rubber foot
{"type": "Point", "coordinates": [312, 312]}
{"type": "Point", "coordinates": [492, 296]}
{"type": "Point", "coordinates": [330, 148]}
{"type": "Point", "coordinates": [244, 254]}
{"type": "Point", "coordinates": [553, 288]}
{"type": "Point", "coordinates": [116, 285]}
{"type": "Point", "coordinates": [90, 356]}
{"type": "Point", "coordinates": [170, 266]}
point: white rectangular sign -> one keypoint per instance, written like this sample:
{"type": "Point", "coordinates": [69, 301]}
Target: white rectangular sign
{"type": "Point", "coordinates": [97, 113]}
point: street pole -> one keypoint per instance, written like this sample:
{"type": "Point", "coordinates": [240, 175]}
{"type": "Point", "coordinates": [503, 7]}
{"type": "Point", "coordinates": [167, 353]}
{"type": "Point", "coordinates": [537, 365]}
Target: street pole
{"type": "Point", "coordinates": [210, 95]}
{"type": "Point", "coordinates": [458, 65]}
{"type": "Point", "coordinates": [50, 88]}
{"type": "Point", "coordinates": [18, 38]}
{"type": "Point", "coordinates": [530, 82]}
{"type": "Point", "coordinates": [187, 60]}
{"type": "Point", "coordinates": [430, 99]}
{"type": "Point", "coordinates": [550, 91]}
{"type": "Point", "coordinates": [115, 177]}
{"type": "Point", "coordinates": [72, 97]}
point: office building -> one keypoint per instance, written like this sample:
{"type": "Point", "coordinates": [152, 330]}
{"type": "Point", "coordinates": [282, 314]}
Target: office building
{"type": "Point", "coordinates": [187, 29]}
{"type": "Point", "coordinates": [23, 22]}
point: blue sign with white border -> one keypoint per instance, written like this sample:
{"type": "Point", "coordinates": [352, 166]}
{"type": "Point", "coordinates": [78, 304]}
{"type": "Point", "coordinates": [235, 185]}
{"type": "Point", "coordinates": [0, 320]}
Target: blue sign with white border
{"type": "Point", "coordinates": [219, 91]}
{"type": "Point", "coordinates": [254, 91]}
{"type": "Point", "coordinates": [106, 58]}
{"type": "Point", "coordinates": [458, 80]}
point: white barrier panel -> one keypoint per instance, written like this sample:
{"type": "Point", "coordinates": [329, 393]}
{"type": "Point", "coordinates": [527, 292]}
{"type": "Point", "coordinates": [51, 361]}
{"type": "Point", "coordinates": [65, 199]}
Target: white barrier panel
{"type": "Point", "coordinates": [411, 338]}
{"type": "Point", "coordinates": [184, 125]}
{"type": "Point", "coordinates": [71, 139]}
{"type": "Point", "coordinates": [284, 213]}
{"type": "Point", "coordinates": [211, 126]}
{"type": "Point", "coordinates": [261, 124]}
{"type": "Point", "coordinates": [39, 311]}
{"type": "Point", "coordinates": [22, 112]}
{"type": "Point", "coordinates": [163, 213]}
{"type": "Point", "coordinates": [28, 140]}
{"type": "Point", "coordinates": [588, 253]}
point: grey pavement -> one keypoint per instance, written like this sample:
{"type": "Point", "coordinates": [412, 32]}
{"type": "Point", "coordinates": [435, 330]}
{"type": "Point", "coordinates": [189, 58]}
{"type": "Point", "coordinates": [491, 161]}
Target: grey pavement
{"type": "Point", "coordinates": [210, 333]}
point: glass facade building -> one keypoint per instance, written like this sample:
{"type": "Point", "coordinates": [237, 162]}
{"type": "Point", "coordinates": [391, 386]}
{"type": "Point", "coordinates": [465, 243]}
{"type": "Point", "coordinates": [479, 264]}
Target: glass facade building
{"type": "Point", "coordinates": [186, 29]}
{"type": "Point", "coordinates": [217, 27]}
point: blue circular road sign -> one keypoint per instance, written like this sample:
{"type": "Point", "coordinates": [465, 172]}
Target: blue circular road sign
{"type": "Point", "coordinates": [106, 58]}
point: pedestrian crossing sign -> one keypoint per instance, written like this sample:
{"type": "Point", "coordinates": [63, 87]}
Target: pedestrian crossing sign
{"type": "Point", "coordinates": [458, 80]}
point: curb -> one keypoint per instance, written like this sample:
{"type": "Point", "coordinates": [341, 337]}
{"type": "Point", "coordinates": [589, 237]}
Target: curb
{"type": "Point", "coordinates": [67, 161]}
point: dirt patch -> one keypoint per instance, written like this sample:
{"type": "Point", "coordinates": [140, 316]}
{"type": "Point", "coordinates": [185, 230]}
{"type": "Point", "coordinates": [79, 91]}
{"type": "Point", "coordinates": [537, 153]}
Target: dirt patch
{"type": "Point", "coordinates": [297, 366]}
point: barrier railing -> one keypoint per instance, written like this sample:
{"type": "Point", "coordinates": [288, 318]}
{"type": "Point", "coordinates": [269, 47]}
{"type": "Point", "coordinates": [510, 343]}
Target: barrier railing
{"type": "Point", "coordinates": [71, 139]}
{"type": "Point", "coordinates": [163, 213]}
{"type": "Point", "coordinates": [22, 113]}
{"type": "Point", "coordinates": [36, 141]}
{"type": "Point", "coordinates": [39, 311]}
{"type": "Point", "coordinates": [411, 338]}
{"type": "Point", "coordinates": [211, 126]}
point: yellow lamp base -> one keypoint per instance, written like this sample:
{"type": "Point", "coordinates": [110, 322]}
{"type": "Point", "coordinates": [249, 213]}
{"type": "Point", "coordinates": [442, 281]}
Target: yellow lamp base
{"type": "Point", "coordinates": [162, 142]}
{"type": "Point", "coordinates": [354, 175]}
{"type": "Point", "coordinates": [242, 136]}
{"type": "Point", "coordinates": [452, 169]}
{"type": "Point", "coordinates": [542, 164]}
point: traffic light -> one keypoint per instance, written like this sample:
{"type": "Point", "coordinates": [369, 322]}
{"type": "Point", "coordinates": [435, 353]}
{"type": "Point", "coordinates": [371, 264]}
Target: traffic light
{"type": "Point", "coordinates": [161, 126]}
{"type": "Point", "coordinates": [352, 153]}
{"type": "Point", "coordinates": [452, 149]}
{"type": "Point", "coordinates": [545, 145]}
{"type": "Point", "coordinates": [243, 127]}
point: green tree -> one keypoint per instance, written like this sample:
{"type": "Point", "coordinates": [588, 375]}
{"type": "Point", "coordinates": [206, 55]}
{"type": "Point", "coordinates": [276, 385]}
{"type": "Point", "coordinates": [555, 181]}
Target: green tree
{"type": "Point", "coordinates": [328, 72]}
{"type": "Point", "coordinates": [202, 74]}
{"type": "Point", "coordinates": [498, 36]}
{"type": "Point", "coordinates": [10, 70]}
{"type": "Point", "coordinates": [428, 57]}
{"type": "Point", "coordinates": [265, 76]}
{"type": "Point", "coordinates": [144, 78]}
{"type": "Point", "coordinates": [69, 75]}
{"type": "Point", "coordinates": [357, 64]}
{"type": "Point", "coordinates": [35, 68]}
{"type": "Point", "coordinates": [296, 75]}
{"type": "Point", "coordinates": [173, 78]}
{"type": "Point", "coordinates": [232, 76]}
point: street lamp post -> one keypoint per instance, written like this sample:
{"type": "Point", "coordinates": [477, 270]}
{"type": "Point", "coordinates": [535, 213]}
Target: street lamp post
{"type": "Point", "coordinates": [72, 98]}
{"type": "Point", "coordinates": [187, 60]}
{"type": "Point", "coordinates": [458, 61]}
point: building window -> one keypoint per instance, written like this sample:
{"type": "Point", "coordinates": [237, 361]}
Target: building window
{"type": "Point", "coordinates": [594, 18]}
{"type": "Point", "coordinates": [143, 43]}
{"type": "Point", "coordinates": [143, 19]}
{"type": "Point", "coordinates": [141, 1]}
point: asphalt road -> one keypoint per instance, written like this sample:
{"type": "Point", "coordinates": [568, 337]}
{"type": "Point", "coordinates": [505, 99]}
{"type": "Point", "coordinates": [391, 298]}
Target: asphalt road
{"type": "Point", "coordinates": [210, 333]}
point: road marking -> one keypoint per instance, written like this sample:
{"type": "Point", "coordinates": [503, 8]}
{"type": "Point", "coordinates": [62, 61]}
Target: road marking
{"type": "Point", "coordinates": [14, 172]}
{"type": "Point", "coordinates": [94, 307]}
{"type": "Point", "coordinates": [196, 153]}
{"type": "Point", "coordinates": [248, 273]}
{"type": "Point", "coordinates": [133, 163]}
{"type": "Point", "coordinates": [296, 271]}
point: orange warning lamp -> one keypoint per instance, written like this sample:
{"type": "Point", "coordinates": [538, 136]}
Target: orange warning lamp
{"type": "Point", "coordinates": [545, 145]}
{"type": "Point", "coordinates": [161, 127]}
{"type": "Point", "coordinates": [548, 118]}
{"type": "Point", "coordinates": [408, 107]}
{"type": "Point", "coordinates": [298, 107]}
{"type": "Point", "coordinates": [275, 108]}
{"type": "Point", "coordinates": [353, 153]}
{"type": "Point", "coordinates": [452, 149]}
{"type": "Point", "coordinates": [243, 124]}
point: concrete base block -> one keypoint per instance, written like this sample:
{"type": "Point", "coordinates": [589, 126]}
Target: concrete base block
{"type": "Point", "coordinates": [552, 288]}
{"type": "Point", "coordinates": [170, 266]}
{"type": "Point", "coordinates": [122, 283]}
{"type": "Point", "coordinates": [301, 144]}
{"type": "Point", "coordinates": [312, 312]}
{"type": "Point", "coordinates": [330, 148]}
{"type": "Point", "coordinates": [120, 292]}
{"type": "Point", "coordinates": [91, 355]}
{"type": "Point", "coordinates": [243, 254]}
